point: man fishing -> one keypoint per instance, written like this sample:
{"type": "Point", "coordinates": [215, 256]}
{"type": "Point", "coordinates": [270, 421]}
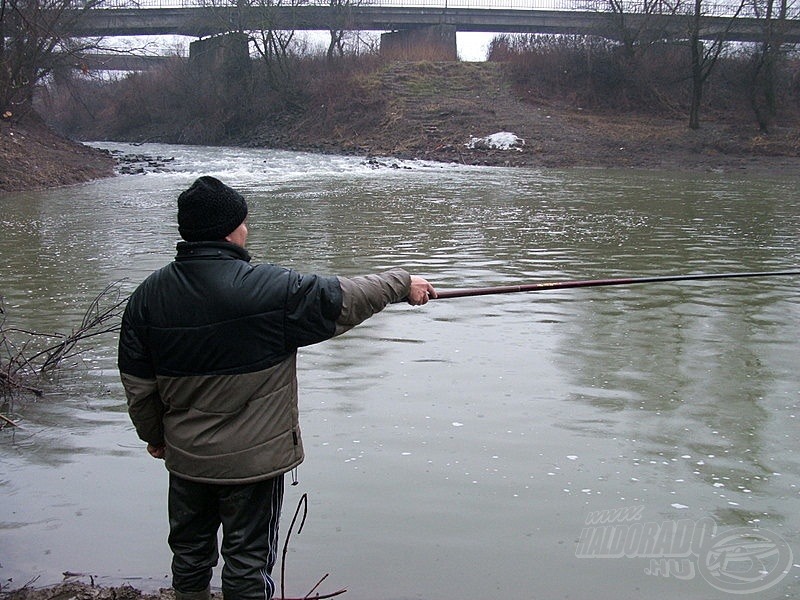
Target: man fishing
{"type": "Point", "coordinates": [207, 357]}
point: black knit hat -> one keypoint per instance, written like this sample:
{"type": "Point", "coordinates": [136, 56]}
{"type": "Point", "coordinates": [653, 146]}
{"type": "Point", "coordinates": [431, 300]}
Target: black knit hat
{"type": "Point", "coordinates": [209, 210]}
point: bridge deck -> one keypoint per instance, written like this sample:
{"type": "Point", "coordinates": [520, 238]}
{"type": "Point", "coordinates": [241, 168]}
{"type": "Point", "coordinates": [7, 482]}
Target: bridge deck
{"type": "Point", "coordinates": [199, 22]}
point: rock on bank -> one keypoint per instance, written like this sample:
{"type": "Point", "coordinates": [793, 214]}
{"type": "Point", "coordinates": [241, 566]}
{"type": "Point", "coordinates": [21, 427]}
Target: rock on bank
{"type": "Point", "coordinates": [33, 156]}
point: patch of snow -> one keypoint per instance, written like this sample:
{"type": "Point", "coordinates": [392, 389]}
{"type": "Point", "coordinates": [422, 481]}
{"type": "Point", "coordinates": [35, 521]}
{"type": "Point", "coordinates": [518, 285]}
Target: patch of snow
{"type": "Point", "coordinates": [502, 140]}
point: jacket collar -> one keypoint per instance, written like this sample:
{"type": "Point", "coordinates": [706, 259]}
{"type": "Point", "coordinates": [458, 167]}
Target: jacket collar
{"type": "Point", "coordinates": [208, 250]}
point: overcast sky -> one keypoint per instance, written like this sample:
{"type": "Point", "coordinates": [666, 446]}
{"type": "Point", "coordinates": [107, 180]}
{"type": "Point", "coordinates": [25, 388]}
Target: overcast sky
{"type": "Point", "coordinates": [473, 46]}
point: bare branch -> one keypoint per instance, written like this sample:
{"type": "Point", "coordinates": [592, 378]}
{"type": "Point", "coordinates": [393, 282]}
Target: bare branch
{"type": "Point", "coordinates": [35, 42]}
{"type": "Point", "coordinates": [18, 365]}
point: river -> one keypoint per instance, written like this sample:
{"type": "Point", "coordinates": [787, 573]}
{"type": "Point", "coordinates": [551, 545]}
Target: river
{"type": "Point", "coordinates": [621, 443]}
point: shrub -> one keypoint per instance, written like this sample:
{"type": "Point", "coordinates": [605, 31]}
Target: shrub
{"type": "Point", "coordinates": [600, 74]}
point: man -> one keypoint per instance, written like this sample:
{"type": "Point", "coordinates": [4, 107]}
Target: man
{"type": "Point", "coordinates": [207, 356]}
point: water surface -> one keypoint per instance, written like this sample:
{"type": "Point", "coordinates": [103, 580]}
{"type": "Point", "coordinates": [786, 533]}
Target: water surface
{"type": "Point", "coordinates": [459, 449]}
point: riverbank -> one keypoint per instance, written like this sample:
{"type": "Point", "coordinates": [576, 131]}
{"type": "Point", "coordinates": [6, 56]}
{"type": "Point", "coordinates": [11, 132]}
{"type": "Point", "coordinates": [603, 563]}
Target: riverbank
{"type": "Point", "coordinates": [33, 156]}
{"type": "Point", "coordinates": [78, 590]}
{"type": "Point", "coordinates": [433, 111]}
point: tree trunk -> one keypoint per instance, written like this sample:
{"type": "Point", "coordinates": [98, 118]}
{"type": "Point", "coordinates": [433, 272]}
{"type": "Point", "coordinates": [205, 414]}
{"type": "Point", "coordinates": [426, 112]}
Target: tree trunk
{"type": "Point", "coordinates": [764, 84]}
{"type": "Point", "coordinates": [697, 84]}
{"type": "Point", "coordinates": [335, 47]}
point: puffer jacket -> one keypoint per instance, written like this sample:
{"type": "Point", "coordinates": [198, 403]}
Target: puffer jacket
{"type": "Point", "coordinates": [207, 356]}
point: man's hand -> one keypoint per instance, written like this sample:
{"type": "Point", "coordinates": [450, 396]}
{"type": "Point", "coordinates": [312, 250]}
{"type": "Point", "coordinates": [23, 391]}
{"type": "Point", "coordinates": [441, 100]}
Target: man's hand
{"type": "Point", "coordinates": [156, 451]}
{"type": "Point", "coordinates": [421, 291]}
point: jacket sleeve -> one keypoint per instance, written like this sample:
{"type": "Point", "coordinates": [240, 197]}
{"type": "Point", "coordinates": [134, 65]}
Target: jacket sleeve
{"type": "Point", "coordinates": [365, 296]}
{"type": "Point", "coordinates": [145, 408]}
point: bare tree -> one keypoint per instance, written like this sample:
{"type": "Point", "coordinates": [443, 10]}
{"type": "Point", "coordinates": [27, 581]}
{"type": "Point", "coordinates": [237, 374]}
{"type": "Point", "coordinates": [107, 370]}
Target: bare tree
{"type": "Point", "coordinates": [35, 40]}
{"type": "Point", "coordinates": [268, 33]}
{"type": "Point", "coordinates": [641, 27]}
{"type": "Point", "coordinates": [635, 26]}
{"type": "Point", "coordinates": [272, 41]}
{"type": "Point", "coordinates": [639, 23]}
{"type": "Point", "coordinates": [338, 27]}
{"type": "Point", "coordinates": [631, 23]}
{"type": "Point", "coordinates": [766, 60]}
{"type": "Point", "coordinates": [704, 55]}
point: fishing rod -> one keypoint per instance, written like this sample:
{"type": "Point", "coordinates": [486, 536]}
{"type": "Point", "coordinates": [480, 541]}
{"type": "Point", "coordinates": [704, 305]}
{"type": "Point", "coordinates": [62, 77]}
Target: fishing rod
{"type": "Point", "coordinates": [560, 285]}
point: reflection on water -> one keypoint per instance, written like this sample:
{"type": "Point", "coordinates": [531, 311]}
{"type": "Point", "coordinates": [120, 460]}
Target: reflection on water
{"type": "Point", "coordinates": [453, 450]}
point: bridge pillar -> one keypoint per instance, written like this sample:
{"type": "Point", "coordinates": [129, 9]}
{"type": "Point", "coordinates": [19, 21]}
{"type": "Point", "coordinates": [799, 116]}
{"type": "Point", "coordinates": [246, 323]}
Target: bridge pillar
{"type": "Point", "coordinates": [435, 43]}
{"type": "Point", "coordinates": [225, 57]}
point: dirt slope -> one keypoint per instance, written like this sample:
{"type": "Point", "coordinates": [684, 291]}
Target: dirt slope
{"type": "Point", "coordinates": [431, 110]}
{"type": "Point", "coordinates": [32, 156]}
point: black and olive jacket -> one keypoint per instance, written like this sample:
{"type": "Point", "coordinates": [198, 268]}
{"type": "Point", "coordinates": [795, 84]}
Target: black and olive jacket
{"type": "Point", "coordinates": [207, 356]}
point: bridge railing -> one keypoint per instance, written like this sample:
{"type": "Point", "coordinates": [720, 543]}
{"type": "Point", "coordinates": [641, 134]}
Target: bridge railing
{"type": "Point", "coordinates": [710, 7]}
{"type": "Point", "coordinates": [434, 4]}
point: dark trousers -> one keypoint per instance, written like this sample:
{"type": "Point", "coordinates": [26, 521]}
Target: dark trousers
{"type": "Point", "coordinates": [249, 517]}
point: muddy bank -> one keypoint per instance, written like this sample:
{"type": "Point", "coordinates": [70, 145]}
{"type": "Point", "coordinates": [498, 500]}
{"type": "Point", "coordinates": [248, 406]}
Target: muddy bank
{"type": "Point", "coordinates": [33, 156]}
{"type": "Point", "coordinates": [83, 591]}
{"type": "Point", "coordinates": [76, 590]}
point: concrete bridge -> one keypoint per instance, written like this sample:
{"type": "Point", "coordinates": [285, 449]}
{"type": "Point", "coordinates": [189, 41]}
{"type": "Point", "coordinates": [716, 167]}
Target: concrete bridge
{"type": "Point", "coordinates": [386, 15]}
